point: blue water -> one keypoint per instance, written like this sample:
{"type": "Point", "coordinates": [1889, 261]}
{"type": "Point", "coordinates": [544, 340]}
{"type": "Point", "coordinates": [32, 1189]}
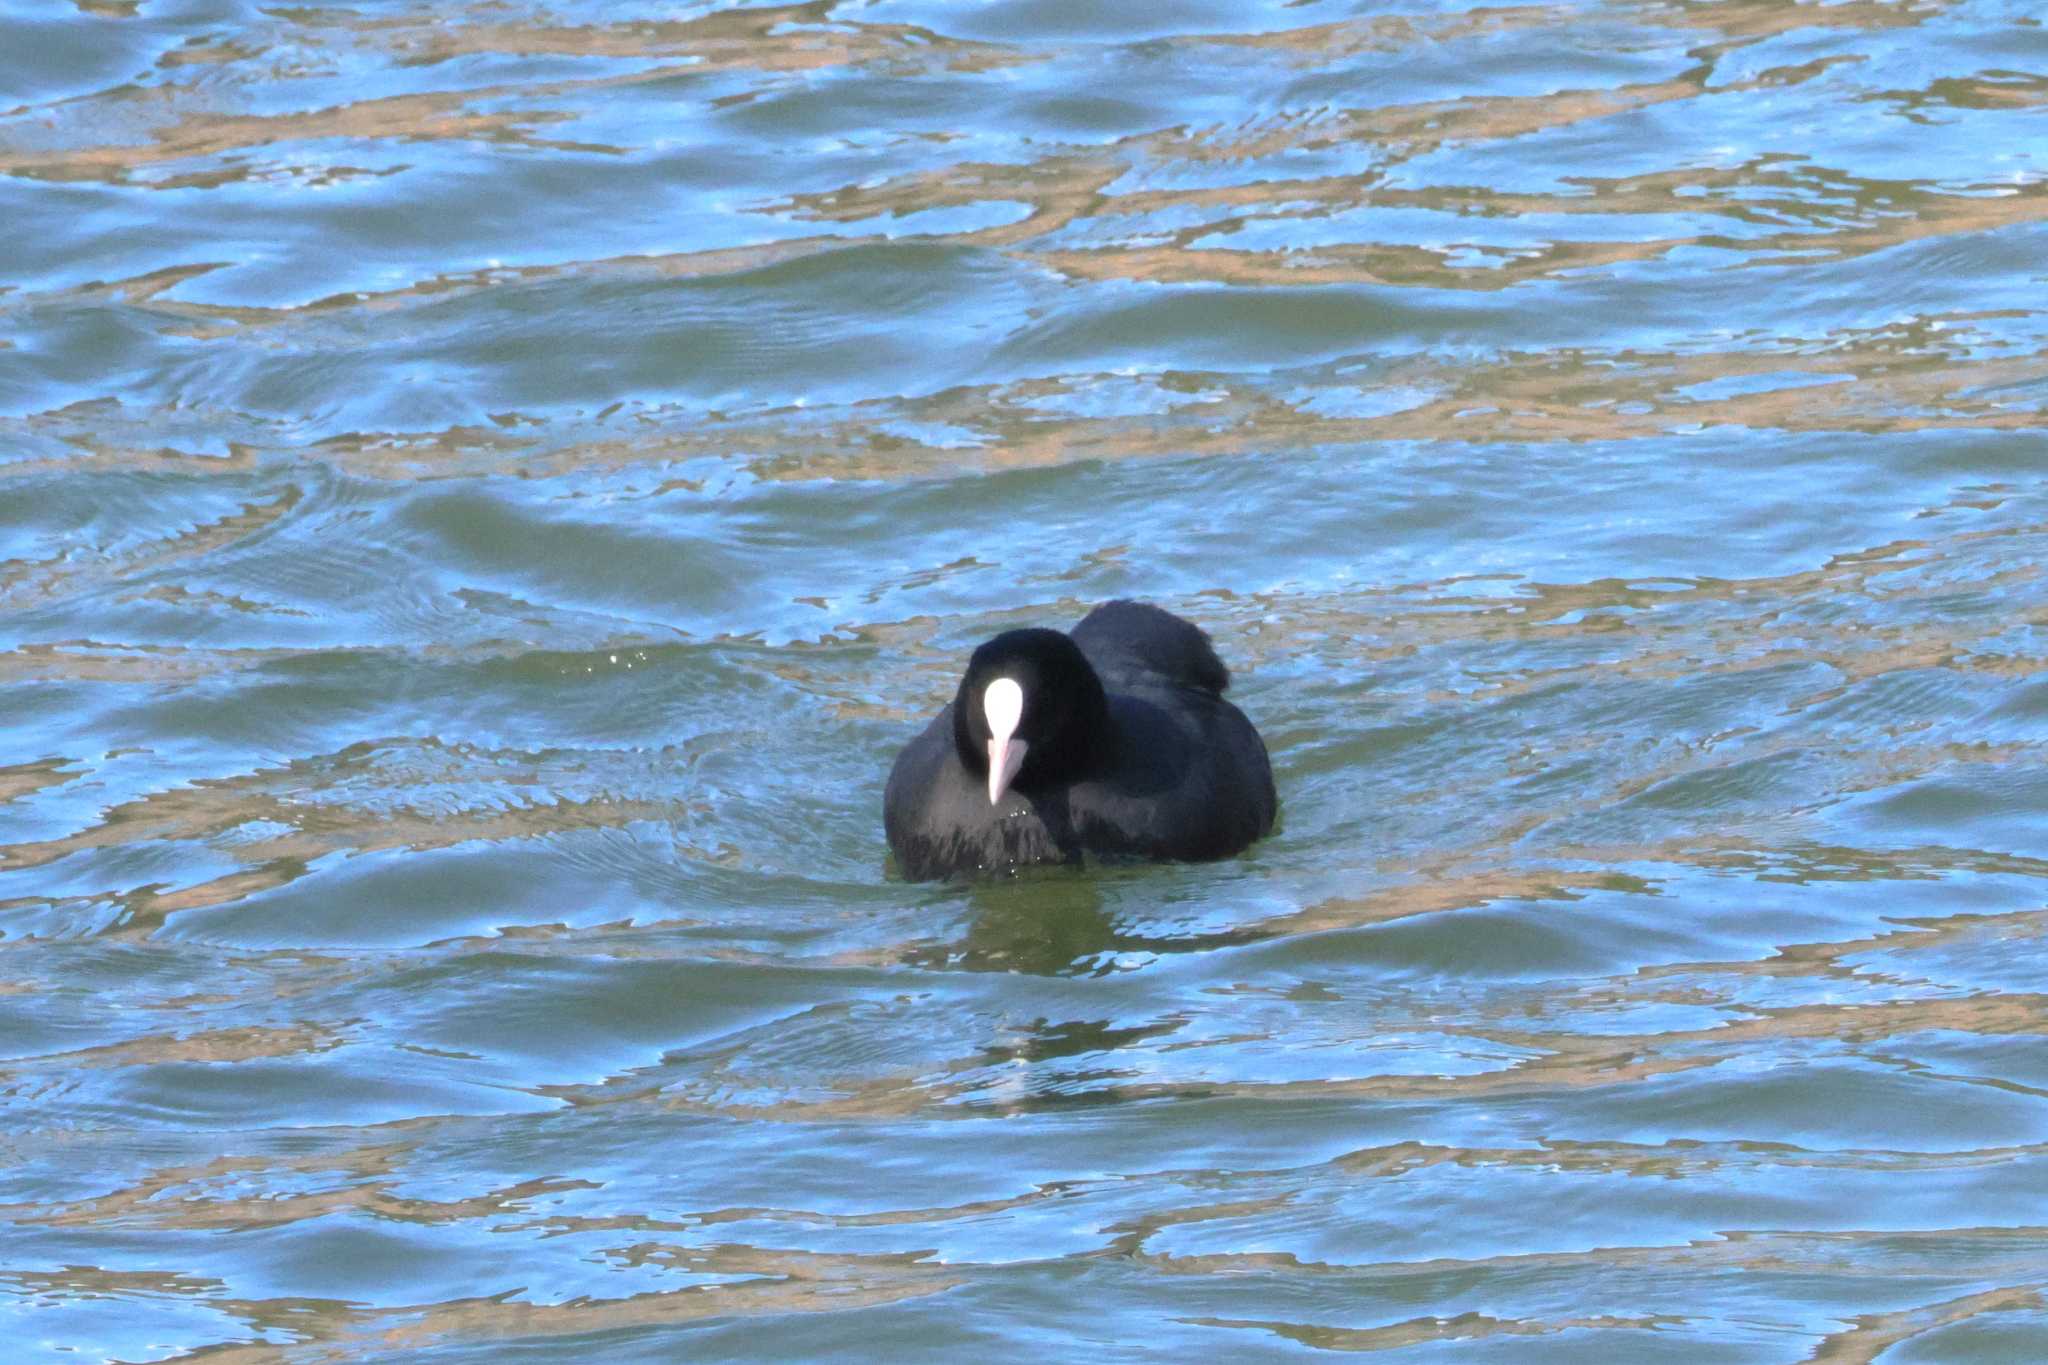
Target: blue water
{"type": "Point", "coordinates": [486, 490]}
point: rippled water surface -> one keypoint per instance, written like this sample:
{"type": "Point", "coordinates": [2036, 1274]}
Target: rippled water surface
{"type": "Point", "coordinates": [486, 488]}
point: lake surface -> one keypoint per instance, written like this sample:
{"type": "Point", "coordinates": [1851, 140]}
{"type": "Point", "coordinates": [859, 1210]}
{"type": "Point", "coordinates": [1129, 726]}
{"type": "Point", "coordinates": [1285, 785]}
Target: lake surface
{"type": "Point", "coordinates": [486, 488]}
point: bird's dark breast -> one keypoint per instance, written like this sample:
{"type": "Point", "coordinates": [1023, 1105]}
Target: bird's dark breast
{"type": "Point", "coordinates": [940, 823]}
{"type": "Point", "coordinates": [1019, 832]}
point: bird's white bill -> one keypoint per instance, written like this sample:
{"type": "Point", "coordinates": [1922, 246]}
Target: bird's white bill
{"type": "Point", "coordinates": [1002, 701]}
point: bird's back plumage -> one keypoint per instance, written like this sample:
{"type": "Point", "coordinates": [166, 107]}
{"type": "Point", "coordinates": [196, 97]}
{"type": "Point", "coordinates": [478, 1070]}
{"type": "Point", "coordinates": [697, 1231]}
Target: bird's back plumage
{"type": "Point", "coordinates": [1137, 642]}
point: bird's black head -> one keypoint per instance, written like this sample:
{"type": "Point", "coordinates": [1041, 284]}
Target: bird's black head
{"type": "Point", "coordinates": [1030, 712]}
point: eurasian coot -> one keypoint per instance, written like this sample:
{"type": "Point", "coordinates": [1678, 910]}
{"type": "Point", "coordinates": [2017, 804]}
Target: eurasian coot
{"type": "Point", "coordinates": [1112, 741]}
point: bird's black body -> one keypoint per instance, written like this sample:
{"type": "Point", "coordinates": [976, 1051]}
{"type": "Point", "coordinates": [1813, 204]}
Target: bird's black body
{"type": "Point", "coordinates": [1130, 752]}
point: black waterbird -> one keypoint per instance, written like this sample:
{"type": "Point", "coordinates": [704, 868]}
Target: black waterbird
{"type": "Point", "coordinates": [1111, 741]}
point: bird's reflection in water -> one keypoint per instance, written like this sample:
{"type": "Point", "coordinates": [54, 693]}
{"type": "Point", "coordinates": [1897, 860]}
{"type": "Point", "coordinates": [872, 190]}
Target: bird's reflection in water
{"type": "Point", "coordinates": [1057, 922]}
